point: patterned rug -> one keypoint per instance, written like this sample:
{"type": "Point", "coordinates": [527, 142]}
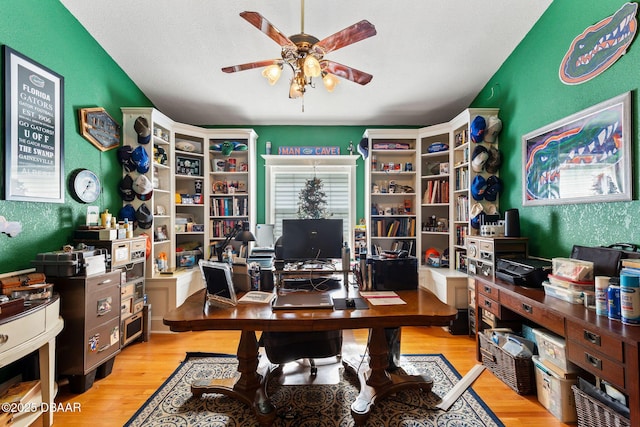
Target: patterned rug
{"type": "Point", "coordinates": [310, 405]}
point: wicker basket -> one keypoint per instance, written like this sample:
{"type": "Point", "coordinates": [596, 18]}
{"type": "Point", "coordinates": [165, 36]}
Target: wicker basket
{"type": "Point", "coordinates": [594, 413]}
{"type": "Point", "coordinates": [516, 372]}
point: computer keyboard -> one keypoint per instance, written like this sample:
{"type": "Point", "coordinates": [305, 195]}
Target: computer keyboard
{"type": "Point", "coordinates": [317, 283]}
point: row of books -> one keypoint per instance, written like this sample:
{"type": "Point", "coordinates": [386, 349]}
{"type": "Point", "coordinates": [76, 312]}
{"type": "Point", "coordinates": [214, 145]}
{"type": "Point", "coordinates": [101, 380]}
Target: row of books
{"type": "Point", "coordinates": [220, 228]}
{"type": "Point", "coordinates": [436, 192]}
{"type": "Point", "coordinates": [394, 227]}
{"type": "Point", "coordinates": [462, 179]}
{"type": "Point", "coordinates": [229, 206]}
{"type": "Point", "coordinates": [462, 208]}
{"type": "Point", "coordinates": [461, 234]}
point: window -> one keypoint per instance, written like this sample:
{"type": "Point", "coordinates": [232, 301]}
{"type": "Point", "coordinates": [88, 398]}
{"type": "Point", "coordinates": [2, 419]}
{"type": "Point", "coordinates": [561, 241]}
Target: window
{"type": "Point", "coordinates": [287, 175]}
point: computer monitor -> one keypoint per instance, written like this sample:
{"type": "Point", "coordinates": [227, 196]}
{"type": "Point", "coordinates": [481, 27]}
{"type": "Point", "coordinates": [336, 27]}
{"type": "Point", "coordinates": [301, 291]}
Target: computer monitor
{"type": "Point", "coordinates": [311, 239]}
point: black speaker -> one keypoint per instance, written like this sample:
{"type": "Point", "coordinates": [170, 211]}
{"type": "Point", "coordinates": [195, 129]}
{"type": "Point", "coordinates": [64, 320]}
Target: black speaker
{"type": "Point", "coordinates": [511, 223]}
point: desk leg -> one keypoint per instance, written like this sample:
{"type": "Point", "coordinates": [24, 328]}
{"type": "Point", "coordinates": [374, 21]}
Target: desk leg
{"type": "Point", "coordinates": [376, 382]}
{"type": "Point", "coordinates": [247, 387]}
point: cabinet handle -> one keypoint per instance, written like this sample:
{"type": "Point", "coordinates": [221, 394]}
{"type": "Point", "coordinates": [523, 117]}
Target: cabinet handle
{"type": "Point", "coordinates": [591, 337]}
{"type": "Point", "coordinates": [527, 308]}
{"type": "Point", "coordinates": [593, 361]}
{"type": "Point", "coordinates": [487, 290]}
{"type": "Point", "coordinates": [101, 349]}
{"type": "Point", "coordinates": [4, 338]}
{"type": "Point", "coordinates": [487, 303]}
{"type": "Point", "coordinates": [105, 282]}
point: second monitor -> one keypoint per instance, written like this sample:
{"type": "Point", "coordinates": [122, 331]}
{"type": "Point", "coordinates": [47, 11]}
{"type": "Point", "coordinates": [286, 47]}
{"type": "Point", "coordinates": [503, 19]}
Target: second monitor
{"type": "Point", "coordinates": [311, 239]}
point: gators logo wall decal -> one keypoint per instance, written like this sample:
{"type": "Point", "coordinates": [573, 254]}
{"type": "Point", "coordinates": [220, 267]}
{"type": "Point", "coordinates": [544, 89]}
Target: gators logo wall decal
{"type": "Point", "coordinates": [599, 46]}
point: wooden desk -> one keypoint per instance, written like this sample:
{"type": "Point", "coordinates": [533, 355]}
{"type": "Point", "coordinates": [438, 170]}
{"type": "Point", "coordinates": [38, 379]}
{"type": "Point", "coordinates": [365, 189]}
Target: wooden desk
{"type": "Point", "coordinates": [603, 347]}
{"type": "Point", "coordinates": [422, 309]}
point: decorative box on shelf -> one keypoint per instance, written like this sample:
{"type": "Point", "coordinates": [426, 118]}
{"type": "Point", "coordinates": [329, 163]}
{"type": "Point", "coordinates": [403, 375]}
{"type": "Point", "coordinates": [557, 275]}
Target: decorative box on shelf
{"type": "Point", "coordinates": [188, 166]}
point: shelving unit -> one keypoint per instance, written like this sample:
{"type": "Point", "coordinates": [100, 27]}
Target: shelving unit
{"type": "Point", "coordinates": [232, 181]}
{"type": "Point", "coordinates": [391, 199]}
{"type": "Point", "coordinates": [435, 190]}
{"type": "Point", "coordinates": [463, 176]}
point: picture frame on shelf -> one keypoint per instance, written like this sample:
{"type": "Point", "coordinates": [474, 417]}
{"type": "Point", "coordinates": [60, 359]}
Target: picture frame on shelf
{"type": "Point", "coordinates": [34, 130]}
{"type": "Point", "coordinates": [583, 158]}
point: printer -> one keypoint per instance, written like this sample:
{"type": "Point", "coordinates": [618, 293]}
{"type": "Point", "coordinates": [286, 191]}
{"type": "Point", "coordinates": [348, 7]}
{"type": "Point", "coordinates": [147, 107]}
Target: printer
{"type": "Point", "coordinates": [527, 272]}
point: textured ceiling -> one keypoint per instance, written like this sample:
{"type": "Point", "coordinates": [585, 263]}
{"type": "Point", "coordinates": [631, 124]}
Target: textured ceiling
{"type": "Point", "coordinates": [429, 59]}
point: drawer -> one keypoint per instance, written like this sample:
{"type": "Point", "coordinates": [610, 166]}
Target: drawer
{"type": "Point", "coordinates": [126, 307]}
{"type": "Point", "coordinates": [488, 304]}
{"type": "Point", "coordinates": [543, 317]}
{"type": "Point", "coordinates": [102, 306]}
{"type": "Point", "coordinates": [488, 290]}
{"type": "Point", "coordinates": [101, 343]}
{"type": "Point", "coordinates": [138, 306]}
{"type": "Point", "coordinates": [596, 363]}
{"type": "Point", "coordinates": [96, 283]}
{"type": "Point", "coordinates": [126, 291]}
{"type": "Point", "coordinates": [120, 254]}
{"type": "Point", "coordinates": [21, 330]}
{"type": "Point", "coordinates": [594, 341]}
{"type": "Point", "coordinates": [138, 249]}
{"type": "Point", "coordinates": [484, 268]}
{"type": "Point", "coordinates": [485, 246]}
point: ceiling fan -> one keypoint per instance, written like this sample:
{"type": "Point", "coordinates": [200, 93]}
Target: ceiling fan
{"type": "Point", "coordinates": [305, 54]}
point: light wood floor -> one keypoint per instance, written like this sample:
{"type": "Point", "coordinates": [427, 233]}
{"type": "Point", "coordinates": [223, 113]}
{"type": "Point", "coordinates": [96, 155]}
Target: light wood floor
{"type": "Point", "coordinates": [142, 367]}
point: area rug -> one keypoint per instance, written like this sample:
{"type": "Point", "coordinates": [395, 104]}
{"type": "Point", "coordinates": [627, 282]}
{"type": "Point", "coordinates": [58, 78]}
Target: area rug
{"type": "Point", "coordinates": [310, 405]}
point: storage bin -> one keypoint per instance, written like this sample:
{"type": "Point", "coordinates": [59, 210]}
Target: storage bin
{"type": "Point", "coordinates": [553, 349]}
{"type": "Point", "coordinates": [516, 372]}
{"type": "Point", "coordinates": [187, 258]}
{"type": "Point", "coordinates": [554, 392]}
{"type": "Point", "coordinates": [574, 297]}
{"type": "Point", "coordinates": [572, 269]}
{"type": "Point", "coordinates": [591, 412]}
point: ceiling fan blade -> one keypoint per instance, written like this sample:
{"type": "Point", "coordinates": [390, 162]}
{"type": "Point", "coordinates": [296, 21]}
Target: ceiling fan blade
{"type": "Point", "coordinates": [346, 72]}
{"type": "Point", "coordinates": [251, 65]}
{"type": "Point", "coordinates": [355, 33]}
{"type": "Point", "coordinates": [262, 24]}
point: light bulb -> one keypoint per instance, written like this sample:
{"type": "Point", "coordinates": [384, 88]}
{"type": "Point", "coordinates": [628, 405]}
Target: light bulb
{"type": "Point", "coordinates": [330, 81]}
{"type": "Point", "coordinates": [311, 66]}
{"type": "Point", "coordinates": [295, 91]}
{"type": "Point", "coordinates": [272, 73]}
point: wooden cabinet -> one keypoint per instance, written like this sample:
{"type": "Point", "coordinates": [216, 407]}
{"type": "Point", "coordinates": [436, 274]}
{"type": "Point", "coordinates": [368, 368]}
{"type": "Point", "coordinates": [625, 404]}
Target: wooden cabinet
{"type": "Point", "coordinates": [603, 347]}
{"type": "Point", "coordinates": [91, 337]}
{"type": "Point", "coordinates": [483, 253]}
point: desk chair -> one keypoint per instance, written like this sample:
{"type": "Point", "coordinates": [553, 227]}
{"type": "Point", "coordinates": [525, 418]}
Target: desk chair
{"type": "Point", "coordinates": [285, 347]}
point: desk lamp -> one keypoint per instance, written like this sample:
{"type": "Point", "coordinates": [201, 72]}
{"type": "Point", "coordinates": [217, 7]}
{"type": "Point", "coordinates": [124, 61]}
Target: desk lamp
{"type": "Point", "coordinates": [245, 236]}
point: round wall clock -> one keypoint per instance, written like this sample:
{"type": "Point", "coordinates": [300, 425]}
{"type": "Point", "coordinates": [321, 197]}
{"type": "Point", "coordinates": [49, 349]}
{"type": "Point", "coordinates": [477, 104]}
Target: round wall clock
{"type": "Point", "coordinates": [84, 186]}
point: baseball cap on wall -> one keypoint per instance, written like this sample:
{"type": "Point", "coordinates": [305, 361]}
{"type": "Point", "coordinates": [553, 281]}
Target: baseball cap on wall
{"type": "Point", "coordinates": [478, 126]}
{"type": "Point", "coordinates": [478, 187]}
{"type": "Point", "coordinates": [127, 212]}
{"type": "Point", "coordinates": [494, 126]}
{"type": "Point", "coordinates": [140, 157]}
{"type": "Point", "coordinates": [141, 127]}
{"type": "Point", "coordinates": [144, 216]}
{"type": "Point", "coordinates": [126, 188]}
{"type": "Point", "coordinates": [143, 187]}
{"type": "Point", "coordinates": [494, 161]}
{"type": "Point", "coordinates": [479, 158]}
{"type": "Point", "coordinates": [494, 187]}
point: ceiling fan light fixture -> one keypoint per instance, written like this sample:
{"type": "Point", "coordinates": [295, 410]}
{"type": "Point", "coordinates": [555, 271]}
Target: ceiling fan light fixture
{"type": "Point", "coordinates": [312, 66]}
{"type": "Point", "coordinates": [330, 81]}
{"type": "Point", "coordinates": [272, 73]}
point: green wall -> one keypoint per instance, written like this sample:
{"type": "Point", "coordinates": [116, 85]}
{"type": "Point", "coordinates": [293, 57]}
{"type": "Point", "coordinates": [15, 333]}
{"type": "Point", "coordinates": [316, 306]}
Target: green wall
{"type": "Point", "coordinates": [47, 33]}
{"type": "Point", "coordinates": [312, 136]}
{"type": "Point", "coordinates": [530, 95]}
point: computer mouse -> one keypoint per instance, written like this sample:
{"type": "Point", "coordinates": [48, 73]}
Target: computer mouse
{"type": "Point", "coordinates": [350, 303]}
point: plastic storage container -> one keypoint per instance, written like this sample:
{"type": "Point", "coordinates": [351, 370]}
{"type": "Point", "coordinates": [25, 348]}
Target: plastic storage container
{"type": "Point", "coordinates": [574, 297]}
{"type": "Point", "coordinates": [553, 349]}
{"type": "Point", "coordinates": [573, 269]}
{"type": "Point", "coordinates": [554, 392]}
